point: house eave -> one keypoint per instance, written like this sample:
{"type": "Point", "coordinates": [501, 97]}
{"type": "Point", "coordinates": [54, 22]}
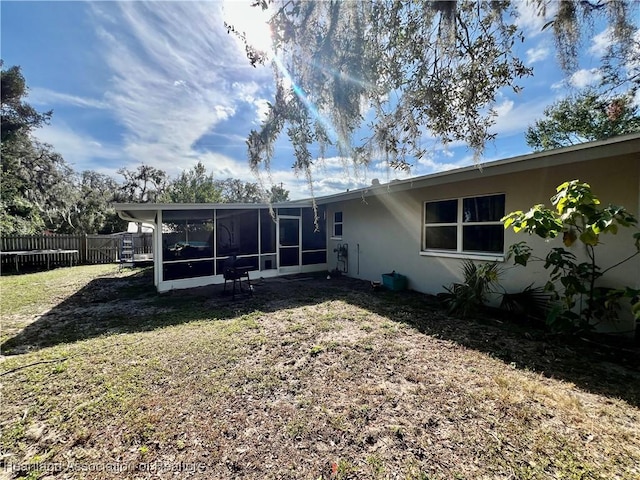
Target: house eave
{"type": "Point", "coordinates": [147, 212]}
{"type": "Point", "coordinates": [623, 145]}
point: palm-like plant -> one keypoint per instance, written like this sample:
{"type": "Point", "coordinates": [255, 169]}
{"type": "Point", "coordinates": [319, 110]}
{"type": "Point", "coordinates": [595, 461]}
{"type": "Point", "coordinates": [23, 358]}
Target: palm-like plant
{"type": "Point", "coordinates": [479, 281]}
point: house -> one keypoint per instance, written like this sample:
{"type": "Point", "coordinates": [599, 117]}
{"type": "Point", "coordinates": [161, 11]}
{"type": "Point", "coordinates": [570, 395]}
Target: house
{"type": "Point", "coordinates": [423, 227]}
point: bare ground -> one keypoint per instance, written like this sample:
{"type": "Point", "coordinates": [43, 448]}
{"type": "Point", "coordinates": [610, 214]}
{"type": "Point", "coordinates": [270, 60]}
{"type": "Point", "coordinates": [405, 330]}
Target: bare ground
{"type": "Point", "coordinates": [306, 378]}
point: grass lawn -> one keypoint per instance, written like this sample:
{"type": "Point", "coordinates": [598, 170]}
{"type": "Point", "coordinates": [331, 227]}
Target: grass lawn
{"type": "Point", "coordinates": [308, 379]}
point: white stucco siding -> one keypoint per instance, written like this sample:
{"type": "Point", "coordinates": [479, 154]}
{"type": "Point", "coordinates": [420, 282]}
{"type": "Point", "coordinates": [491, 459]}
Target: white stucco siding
{"type": "Point", "coordinates": [384, 232]}
{"type": "Point", "coordinates": [615, 181]}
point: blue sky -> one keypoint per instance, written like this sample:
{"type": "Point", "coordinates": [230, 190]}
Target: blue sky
{"type": "Point", "coordinates": [163, 84]}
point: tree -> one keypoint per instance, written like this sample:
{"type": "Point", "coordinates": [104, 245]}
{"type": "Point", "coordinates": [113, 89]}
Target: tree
{"type": "Point", "coordinates": [577, 217]}
{"type": "Point", "coordinates": [94, 212]}
{"type": "Point", "coordinates": [234, 190]}
{"type": "Point", "coordinates": [583, 117]}
{"type": "Point", "coordinates": [406, 70]}
{"type": "Point", "coordinates": [277, 193]}
{"type": "Point", "coordinates": [620, 68]}
{"type": "Point", "coordinates": [18, 117]}
{"type": "Point", "coordinates": [194, 186]}
{"type": "Point", "coordinates": [142, 185]}
{"type": "Point", "coordinates": [37, 188]}
{"type": "Point", "coordinates": [37, 185]}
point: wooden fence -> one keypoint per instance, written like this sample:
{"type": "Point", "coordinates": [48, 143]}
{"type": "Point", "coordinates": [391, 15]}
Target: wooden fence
{"type": "Point", "coordinates": [91, 249]}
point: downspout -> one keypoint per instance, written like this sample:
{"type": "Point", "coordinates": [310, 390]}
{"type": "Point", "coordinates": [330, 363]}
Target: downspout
{"type": "Point", "coordinates": [157, 249]}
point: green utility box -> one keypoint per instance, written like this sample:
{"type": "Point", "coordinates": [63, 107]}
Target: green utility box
{"type": "Point", "coordinates": [394, 281]}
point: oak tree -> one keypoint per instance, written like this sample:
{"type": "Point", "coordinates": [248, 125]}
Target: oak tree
{"type": "Point", "coordinates": [377, 80]}
{"type": "Point", "coordinates": [581, 118]}
{"type": "Point", "coordinates": [37, 185]}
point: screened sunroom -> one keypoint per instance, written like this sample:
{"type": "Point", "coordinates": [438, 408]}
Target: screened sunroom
{"type": "Point", "coordinates": [193, 242]}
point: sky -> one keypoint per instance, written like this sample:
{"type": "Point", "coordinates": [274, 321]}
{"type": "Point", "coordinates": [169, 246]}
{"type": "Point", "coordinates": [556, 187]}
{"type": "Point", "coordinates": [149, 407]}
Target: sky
{"type": "Point", "coordinates": [163, 84]}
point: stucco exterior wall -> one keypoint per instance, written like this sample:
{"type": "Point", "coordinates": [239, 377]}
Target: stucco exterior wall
{"type": "Point", "coordinates": [384, 232]}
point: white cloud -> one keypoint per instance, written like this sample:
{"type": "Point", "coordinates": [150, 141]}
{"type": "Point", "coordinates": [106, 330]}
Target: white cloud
{"type": "Point", "coordinates": [251, 21]}
{"type": "Point", "coordinates": [601, 42]}
{"type": "Point", "coordinates": [514, 118]}
{"type": "Point", "coordinates": [172, 84]}
{"type": "Point", "coordinates": [432, 166]}
{"type": "Point", "coordinates": [80, 151]}
{"type": "Point", "coordinates": [262, 109]}
{"type": "Point", "coordinates": [250, 93]}
{"type": "Point", "coordinates": [583, 78]}
{"type": "Point", "coordinates": [504, 108]}
{"type": "Point", "coordinates": [45, 96]}
{"type": "Point", "coordinates": [537, 54]}
{"type": "Point", "coordinates": [530, 19]}
{"type": "Point", "coordinates": [223, 166]}
{"type": "Point", "coordinates": [332, 175]}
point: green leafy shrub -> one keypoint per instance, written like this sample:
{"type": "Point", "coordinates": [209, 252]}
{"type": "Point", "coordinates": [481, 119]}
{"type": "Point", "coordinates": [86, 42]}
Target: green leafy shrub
{"type": "Point", "coordinates": [578, 302]}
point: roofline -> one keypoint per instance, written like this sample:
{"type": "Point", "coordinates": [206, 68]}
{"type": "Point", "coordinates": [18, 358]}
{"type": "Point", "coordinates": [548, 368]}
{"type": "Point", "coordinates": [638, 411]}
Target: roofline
{"type": "Point", "coordinates": [627, 144]}
{"type": "Point", "coordinates": [148, 212]}
{"type": "Point", "coordinates": [209, 206]}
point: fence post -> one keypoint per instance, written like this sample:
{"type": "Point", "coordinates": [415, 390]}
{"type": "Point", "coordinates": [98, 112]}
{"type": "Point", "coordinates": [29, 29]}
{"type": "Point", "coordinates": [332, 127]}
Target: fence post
{"type": "Point", "coordinates": [84, 248]}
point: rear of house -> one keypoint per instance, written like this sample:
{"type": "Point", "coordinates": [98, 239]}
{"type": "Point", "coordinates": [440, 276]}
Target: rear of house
{"type": "Point", "coordinates": [423, 228]}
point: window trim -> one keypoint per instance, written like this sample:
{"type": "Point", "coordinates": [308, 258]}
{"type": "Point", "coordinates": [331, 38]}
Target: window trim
{"type": "Point", "coordinates": [459, 224]}
{"type": "Point", "coordinates": [488, 257]}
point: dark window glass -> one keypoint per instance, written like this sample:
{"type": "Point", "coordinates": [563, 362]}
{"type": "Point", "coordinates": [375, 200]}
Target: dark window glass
{"type": "Point", "coordinates": [169, 215]}
{"type": "Point", "coordinates": [248, 228]}
{"type": "Point", "coordinates": [187, 234]}
{"type": "Point", "coordinates": [441, 238]}
{"type": "Point", "coordinates": [445, 211]}
{"type": "Point", "coordinates": [483, 238]}
{"type": "Point", "coordinates": [312, 239]}
{"type": "Point", "coordinates": [313, 258]}
{"type": "Point", "coordinates": [251, 262]}
{"type": "Point", "coordinates": [289, 256]}
{"type": "Point", "coordinates": [337, 224]}
{"type": "Point", "coordinates": [176, 271]}
{"type": "Point", "coordinates": [483, 209]}
{"type": "Point", "coordinates": [237, 232]}
{"type": "Point", "coordinates": [289, 231]}
{"type": "Point", "coordinates": [267, 232]}
{"type": "Point", "coordinates": [294, 212]}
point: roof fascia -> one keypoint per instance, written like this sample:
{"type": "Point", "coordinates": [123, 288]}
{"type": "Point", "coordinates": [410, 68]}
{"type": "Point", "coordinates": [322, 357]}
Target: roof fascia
{"type": "Point", "coordinates": [603, 149]}
{"type": "Point", "coordinates": [206, 206]}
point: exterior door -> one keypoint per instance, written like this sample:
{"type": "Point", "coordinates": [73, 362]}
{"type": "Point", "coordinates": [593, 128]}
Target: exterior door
{"type": "Point", "coordinates": [289, 244]}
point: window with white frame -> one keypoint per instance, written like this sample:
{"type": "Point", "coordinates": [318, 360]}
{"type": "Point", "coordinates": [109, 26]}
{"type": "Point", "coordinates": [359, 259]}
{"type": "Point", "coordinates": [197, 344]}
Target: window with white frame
{"type": "Point", "coordinates": [465, 225]}
{"type": "Point", "coordinates": [337, 224]}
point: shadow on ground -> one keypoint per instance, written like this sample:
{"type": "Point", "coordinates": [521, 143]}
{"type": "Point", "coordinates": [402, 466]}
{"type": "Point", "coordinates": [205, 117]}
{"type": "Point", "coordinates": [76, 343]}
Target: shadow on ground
{"type": "Point", "coordinates": [110, 305]}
